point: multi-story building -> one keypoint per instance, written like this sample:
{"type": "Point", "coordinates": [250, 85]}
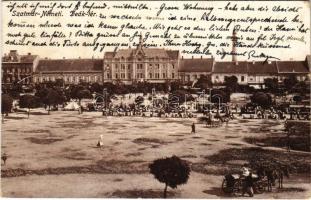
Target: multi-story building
{"type": "Point", "coordinates": [18, 68]}
{"type": "Point", "coordinates": [141, 64]}
{"type": "Point", "coordinates": [72, 71]}
{"type": "Point", "coordinates": [146, 64]}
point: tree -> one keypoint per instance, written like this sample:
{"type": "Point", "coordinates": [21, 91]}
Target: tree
{"type": "Point", "coordinates": [290, 82]}
{"type": "Point", "coordinates": [53, 97]}
{"type": "Point", "coordinates": [220, 95]}
{"type": "Point", "coordinates": [6, 104]}
{"type": "Point", "coordinates": [203, 82]}
{"type": "Point", "coordinates": [231, 83]}
{"type": "Point", "coordinates": [262, 99]}
{"type": "Point", "coordinates": [29, 101]}
{"type": "Point", "coordinates": [180, 96]}
{"type": "Point", "coordinates": [85, 93]}
{"type": "Point", "coordinates": [171, 171]}
{"type": "Point", "coordinates": [302, 88]}
{"type": "Point", "coordinates": [297, 99]}
{"type": "Point", "coordinates": [271, 84]}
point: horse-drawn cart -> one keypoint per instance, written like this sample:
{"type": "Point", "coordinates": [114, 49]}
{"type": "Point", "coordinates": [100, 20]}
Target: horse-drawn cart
{"type": "Point", "coordinates": [233, 184]}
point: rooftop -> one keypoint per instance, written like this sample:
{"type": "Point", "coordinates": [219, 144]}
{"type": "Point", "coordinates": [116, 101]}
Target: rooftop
{"type": "Point", "coordinates": [49, 65]}
{"type": "Point", "coordinates": [196, 65]}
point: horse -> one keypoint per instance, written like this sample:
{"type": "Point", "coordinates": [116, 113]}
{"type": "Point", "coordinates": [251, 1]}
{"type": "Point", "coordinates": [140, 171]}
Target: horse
{"type": "Point", "coordinates": [276, 173]}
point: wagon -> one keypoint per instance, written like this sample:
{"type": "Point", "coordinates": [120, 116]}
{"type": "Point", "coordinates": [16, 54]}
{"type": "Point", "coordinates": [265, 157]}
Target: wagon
{"type": "Point", "coordinates": [233, 184]}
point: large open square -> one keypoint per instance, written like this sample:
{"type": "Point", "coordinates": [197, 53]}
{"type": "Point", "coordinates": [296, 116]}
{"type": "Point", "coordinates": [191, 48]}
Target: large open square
{"type": "Point", "coordinates": [56, 155]}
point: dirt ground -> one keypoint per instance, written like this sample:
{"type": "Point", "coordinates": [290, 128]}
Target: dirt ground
{"type": "Point", "coordinates": [56, 156]}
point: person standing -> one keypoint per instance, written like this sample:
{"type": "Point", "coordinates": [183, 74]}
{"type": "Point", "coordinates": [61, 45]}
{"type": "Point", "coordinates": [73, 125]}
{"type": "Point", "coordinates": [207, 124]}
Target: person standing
{"type": "Point", "coordinates": [193, 128]}
{"type": "Point", "coordinates": [4, 158]}
{"type": "Point", "coordinates": [248, 186]}
{"type": "Point", "coordinates": [100, 142]}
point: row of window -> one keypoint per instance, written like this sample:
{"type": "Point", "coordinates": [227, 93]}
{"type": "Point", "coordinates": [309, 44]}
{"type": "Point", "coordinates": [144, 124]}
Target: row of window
{"type": "Point", "coordinates": [13, 79]}
{"type": "Point", "coordinates": [17, 70]}
{"type": "Point", "coordinates": [70, 79]}
{"type": "Point", "coordinates": [139, 66]}
{"type": "Point", "coordinates": [140, 59]}
{"type": "Point", "coordinates": [142, 75]}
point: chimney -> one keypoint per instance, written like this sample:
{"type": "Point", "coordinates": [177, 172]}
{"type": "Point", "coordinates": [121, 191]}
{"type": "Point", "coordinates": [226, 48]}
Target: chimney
{"type": "Point", "coordinates": [182, 57]}
{"type": "Point", "coordinates": [64, 57]}
{"type": "Point", "coordinates": [234, 40]}
{"type": "Point", "coordinates": [192, 57]}
{"type": "Point", "coordinates": [201, 57]}
{"type": "Point", "coordinates": [29, 54]}
{"type": "Point", "coordinates": [13, 53]}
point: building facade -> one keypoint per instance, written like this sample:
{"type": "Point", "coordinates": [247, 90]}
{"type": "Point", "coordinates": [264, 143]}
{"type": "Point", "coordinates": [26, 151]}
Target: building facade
{"type": "Point", "coordinates": [146, 64]}
{"type": "Point", "coordinates": [222, 69]}
{"type": "Point", "coordinates": [71, 71]}
{"type": "Point", "coordinates": [18, 68]}
{"type": "Point", "coordinates": [141, 64]}
{"type": "Point", "coordinates": [192, 69]}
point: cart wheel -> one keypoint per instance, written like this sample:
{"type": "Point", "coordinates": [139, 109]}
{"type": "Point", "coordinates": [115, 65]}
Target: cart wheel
{"type": "Point", "coordinates": [259, 188]}
{"type": "Point", "coordinates": [238, 188]}
{"type": "Point", "coordinates": [225, 188]}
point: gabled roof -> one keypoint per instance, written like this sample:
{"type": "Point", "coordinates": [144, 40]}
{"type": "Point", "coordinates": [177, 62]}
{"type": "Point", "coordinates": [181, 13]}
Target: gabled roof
{"type": "Point", "coordinates": [19, 58]}
{"type": "Point", "coordinates": [109, 54]}
{"type": "Point", "coordinates": [28, 58]}
{"type": "Point", "coordinates": [196, 65]}
{"type": "Point", "coordinates": [292, 67]}
{"type": "Point", "coordinates": [148, 52]}
{"type": "Point", "coordinates": [230, 67]}
{"type": "Point", "coordinates": [262, 68]}
{"type": "Point", "coordinates": [173, 54]}
{"type": "Point", "coordinates": [66, 65]}
{"type": "Point", "coordinates": [125, 53]}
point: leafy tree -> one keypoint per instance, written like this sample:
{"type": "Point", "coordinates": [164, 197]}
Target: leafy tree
{"type": "Point", "coordinates": [53, 98]}
{"type": "Point", "coordinates": [203, 82]}
{"type": "Point", "coordinates": [176, 85]}
{"type": "Point", "coordinates": [220, 95]}
{"type": "Point", "coordinates": [85, 93]}
{"type": "Point", "coordinates": [29, 101]}
{"type": "Point", "coordinates": [231, 83]}
{"type": "Point", "coordinates": [290, 82]}
{"type": "Point", "coordinates": [96, 87]}
{"type": "Point", "coordinates": [302, 88]}
{"type": "Point", "coordinates": [6, 104]}
{"type": "Point", "coordinates": [297, 99]}
{"type": "Point", "coordinates": [262, 99]}
{"type": "Point", "coordinates": [181, 96]}
{"type": "Point", "coordinates": [271, 84]}
{"type": "Point", "coordinates": [171, 171]}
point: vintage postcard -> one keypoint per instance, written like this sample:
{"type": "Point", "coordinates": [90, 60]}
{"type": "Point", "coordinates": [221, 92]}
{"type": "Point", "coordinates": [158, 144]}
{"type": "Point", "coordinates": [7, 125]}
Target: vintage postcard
{"type": "Point", "coordinates": [155, 99]}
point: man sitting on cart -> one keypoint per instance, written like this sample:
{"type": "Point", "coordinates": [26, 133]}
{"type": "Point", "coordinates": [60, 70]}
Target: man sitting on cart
{"type": "Point", "coordinates": [244, 172]}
